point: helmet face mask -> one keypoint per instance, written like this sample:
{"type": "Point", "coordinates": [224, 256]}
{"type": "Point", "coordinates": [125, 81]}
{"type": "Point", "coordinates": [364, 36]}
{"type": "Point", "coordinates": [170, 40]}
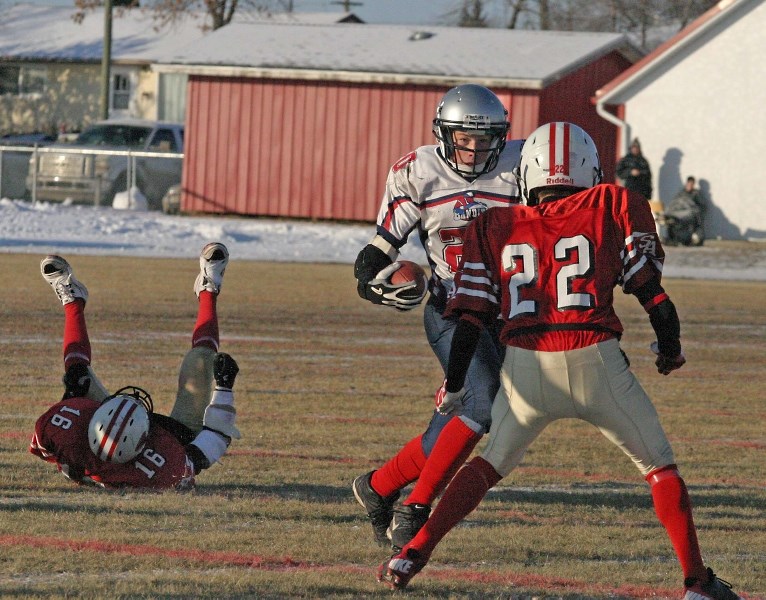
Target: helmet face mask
{"type": "Point", "coordinates": [119, 428]}
{"type": "Point", "coordinates": [557, 155]}
{"type": "Point", "coordinates": [471, 112]}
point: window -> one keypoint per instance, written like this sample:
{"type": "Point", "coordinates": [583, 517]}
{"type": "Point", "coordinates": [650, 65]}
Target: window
{"type": "Point", "coordinates": [164, 140]}
{"type": "Point", "coordinates": [120, 91]}
{"type": "Point", "coordinates": [9, 80]}
{"type": "Point", "coordinates": [19, 80]}
{"type": "Point", "coordinates": [33, 80]}
{"type": "Point", "coordinates": [114, 135]}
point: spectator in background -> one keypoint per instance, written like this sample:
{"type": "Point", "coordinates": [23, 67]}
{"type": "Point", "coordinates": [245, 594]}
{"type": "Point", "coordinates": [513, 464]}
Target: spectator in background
{"type": "Point", "coordinates": [685, 216]}
{"type": "Point", "coordinates": [633, 169]}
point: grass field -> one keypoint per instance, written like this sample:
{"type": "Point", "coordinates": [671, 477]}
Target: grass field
{"type": "Point", "coordinates": [329, 388]}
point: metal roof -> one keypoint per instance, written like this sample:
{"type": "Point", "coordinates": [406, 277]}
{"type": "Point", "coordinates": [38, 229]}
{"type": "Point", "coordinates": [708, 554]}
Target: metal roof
{"type": "Point", "coordinates": [34, 32]}
{"type": "Point", "coordinates": [308, 47]}
{"type": "Point", "coordinates": [505, 57]}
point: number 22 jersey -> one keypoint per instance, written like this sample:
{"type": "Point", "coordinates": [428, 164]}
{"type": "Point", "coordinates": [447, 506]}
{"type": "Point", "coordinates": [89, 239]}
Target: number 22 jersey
{"type": "Point", "coordinates": [549, 270]}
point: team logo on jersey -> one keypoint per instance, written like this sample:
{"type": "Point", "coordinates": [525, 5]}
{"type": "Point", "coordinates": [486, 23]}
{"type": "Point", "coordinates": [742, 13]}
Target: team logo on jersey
{"type": "Point", "coordinates": [646, 243]}
{"type": "Point", "coordinates": [468, 208]}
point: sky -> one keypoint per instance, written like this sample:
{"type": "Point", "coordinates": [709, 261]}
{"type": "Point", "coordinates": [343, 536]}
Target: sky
{"type": "Point", "coordinates": [403, 12]}
{"type": "Point", "coordinates": [55, 228]}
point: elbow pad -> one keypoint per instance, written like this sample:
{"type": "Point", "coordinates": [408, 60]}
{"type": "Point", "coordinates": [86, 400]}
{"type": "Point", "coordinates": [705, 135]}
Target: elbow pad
{"type": "Point", "coordinates": [207, 448]}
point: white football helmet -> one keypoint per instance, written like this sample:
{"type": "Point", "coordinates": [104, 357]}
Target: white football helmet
{"type": "Point", "coordinates": [118, 430]}
{"type": "Point", "coordinates": [557, 154]}
{"type": "Point", "coordinates": [477, 110]}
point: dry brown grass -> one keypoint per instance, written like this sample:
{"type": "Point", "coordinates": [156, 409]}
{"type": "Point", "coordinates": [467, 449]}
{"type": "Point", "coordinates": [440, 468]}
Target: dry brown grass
{"type": "Point", "coordinates": [331, 386]}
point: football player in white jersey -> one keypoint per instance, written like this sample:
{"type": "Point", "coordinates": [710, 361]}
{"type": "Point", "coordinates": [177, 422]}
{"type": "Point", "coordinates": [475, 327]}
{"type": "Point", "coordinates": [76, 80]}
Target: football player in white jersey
{"type": "Point", "coordinates": [436, 191]}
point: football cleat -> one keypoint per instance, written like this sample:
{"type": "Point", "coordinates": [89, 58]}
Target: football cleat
{"type": "Point", "coordinates": [379, 509]}
{"type": "Point", "coordinates": [212, 264]}
{"type": "Point", "coordinates": [57, 271]}
{"type": "Point", "coordinates": [407, 520]}
{"type": "Point", "coordinates": [715, 589]}
{"type": "Point", "coordinates": [398, 570]}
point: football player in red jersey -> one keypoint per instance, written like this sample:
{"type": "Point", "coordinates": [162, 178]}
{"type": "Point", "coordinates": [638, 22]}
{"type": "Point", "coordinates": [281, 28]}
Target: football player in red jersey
{"type": "Point", "coordinates": [436, 191]}
{"type": "Point", "coordinates": [548, 269]}
{"type": "Point", "coordinates": [116, 440]}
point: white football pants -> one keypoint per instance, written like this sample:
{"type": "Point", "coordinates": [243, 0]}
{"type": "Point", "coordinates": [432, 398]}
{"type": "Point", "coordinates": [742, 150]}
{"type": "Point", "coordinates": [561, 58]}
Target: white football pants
{"type": "Point", "coordinates": [593, 384]}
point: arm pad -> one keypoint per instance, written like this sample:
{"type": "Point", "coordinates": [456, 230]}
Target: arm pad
{"type": "Point", "coordinates": [220, 414]}
{"type": "Point", "coordinates": [662, 316]}
{"type": "Point", "coordinates": [667, 328]}
{"type": "Point", "coordinates": [464, 342]}
{"type": "Point", "coordinates": [207, 448]}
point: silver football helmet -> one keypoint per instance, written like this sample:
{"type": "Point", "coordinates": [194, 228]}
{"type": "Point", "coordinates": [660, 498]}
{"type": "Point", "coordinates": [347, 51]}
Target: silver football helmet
{"type": "Point", "coordinates": [557, 154]}
{"type": "Point", "coordinates": [476, 110]}
{"type": "Point", "coordinates": [119, 428]}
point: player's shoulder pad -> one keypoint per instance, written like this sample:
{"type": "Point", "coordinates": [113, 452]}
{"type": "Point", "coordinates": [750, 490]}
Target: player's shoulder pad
{"type": "Point", "coordinates": [404, 161]}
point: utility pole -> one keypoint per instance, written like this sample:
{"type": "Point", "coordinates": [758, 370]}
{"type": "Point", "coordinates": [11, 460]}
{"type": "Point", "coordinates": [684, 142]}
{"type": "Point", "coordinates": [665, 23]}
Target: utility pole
{"type": "Point", "coordinates": [106, 60]}
{"type": "Point", "coordinates": [347, 4]}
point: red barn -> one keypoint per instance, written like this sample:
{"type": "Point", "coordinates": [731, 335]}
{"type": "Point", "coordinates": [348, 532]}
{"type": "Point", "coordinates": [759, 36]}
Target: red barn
{"type": "Point", "coordinates": [305, 120]}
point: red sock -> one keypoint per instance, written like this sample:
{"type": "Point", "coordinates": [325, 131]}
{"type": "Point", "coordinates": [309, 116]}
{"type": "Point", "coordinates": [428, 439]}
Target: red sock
{"type": "Point", "coordinates": [76, 341]}
{"type": "Point", "coordinates": [206, 328]}
{"type": "Point", "coordinates": [674, 510]}
{"type": "Point", "coordinates": [463, 494]}
{"type": "Point", "coordinates": [453, 447]}
{"type": "Point", "coordinates": [402, 469]}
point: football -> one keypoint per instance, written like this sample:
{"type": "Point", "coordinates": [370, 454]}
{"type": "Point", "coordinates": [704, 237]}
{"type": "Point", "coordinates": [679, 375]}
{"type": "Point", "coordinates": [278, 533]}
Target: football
{"type": "Point", "coordinates": [408, 272]}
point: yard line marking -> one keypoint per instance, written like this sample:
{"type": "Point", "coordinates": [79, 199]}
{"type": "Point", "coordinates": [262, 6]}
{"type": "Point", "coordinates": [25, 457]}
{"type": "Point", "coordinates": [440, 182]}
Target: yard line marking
{"type": "Point", "coordinates": [286, 563]}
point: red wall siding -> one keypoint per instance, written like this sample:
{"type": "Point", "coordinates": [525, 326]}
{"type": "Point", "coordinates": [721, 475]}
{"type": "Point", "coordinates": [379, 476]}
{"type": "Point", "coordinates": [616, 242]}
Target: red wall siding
{"type": "Point", "coordinates": [322, 150]}
{"type": "Point", "coordinates": [298, 149]}
{"type": "Point", "coordinates": [570, 99]}
{"type": "Point", "coordinates": [524, 107]}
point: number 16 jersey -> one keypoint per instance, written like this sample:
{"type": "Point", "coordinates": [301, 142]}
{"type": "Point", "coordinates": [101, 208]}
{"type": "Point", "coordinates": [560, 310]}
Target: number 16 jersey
{"type": "Point", "coordinates": [61, 437]}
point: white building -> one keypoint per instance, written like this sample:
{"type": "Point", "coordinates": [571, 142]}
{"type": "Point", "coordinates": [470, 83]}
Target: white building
{"type": "Point", "coordinates": [698, 105]}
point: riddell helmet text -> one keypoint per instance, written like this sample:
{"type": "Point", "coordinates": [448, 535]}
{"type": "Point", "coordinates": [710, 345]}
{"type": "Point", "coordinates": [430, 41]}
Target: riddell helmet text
{"type": "Point", "coordinates": [559, 180]}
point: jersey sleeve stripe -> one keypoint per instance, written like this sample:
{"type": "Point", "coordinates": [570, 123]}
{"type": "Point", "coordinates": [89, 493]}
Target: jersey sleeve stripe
{"type": "Point", "coordinates": [481, 280]}
{"type": "Point", "coordinates": [482, 293]}
{"type": "Point", "coordinates": [393, 205]}
{"type": "Point", "coordinates": [474, 266]}
{"type": "Point", "coordinates": [634, 269]}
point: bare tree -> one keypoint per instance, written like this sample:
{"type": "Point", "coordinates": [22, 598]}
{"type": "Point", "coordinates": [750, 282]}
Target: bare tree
{"type": "Point", "coordinates": [472, 14]}
{"type": "Point", "coordinates": [165, 12]}
{"type": "Point", "coordinates": [637, 17]}
{"type": "Point", "coordinates": [516, 8]}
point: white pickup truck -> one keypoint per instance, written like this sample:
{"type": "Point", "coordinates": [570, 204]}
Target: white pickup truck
{"type": "Point", "coordinates": [95, 166]}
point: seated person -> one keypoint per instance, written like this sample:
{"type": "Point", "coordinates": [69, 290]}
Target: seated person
{"type": "Point", "coordinates": [684, 216]}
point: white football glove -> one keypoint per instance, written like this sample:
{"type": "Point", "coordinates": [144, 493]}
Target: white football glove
{"type": "Point", "coordinates": [403, 296]}
{"type": "Point", "coordinates": [666, 364]}
{"type": "Point", "coordinates": [448, 402]}
{"type": "Point", "coordinates": [220, 414]}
